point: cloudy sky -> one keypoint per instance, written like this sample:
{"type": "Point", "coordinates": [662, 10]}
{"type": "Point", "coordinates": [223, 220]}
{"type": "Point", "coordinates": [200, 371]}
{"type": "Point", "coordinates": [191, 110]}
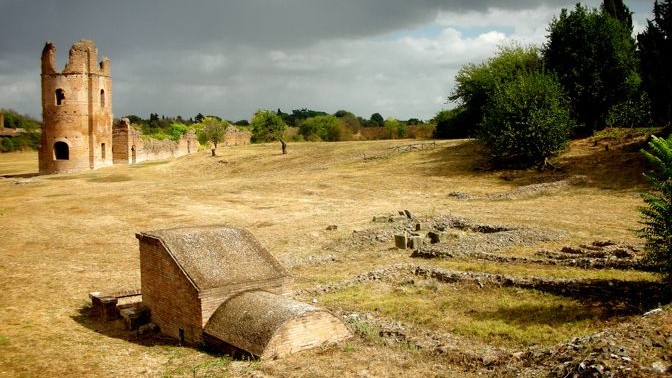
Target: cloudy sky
{"type": "Point", "coordinates": [232, 57]}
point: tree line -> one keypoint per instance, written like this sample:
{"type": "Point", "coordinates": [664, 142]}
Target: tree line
{"type": "Point", "coordinates": [526, 102]}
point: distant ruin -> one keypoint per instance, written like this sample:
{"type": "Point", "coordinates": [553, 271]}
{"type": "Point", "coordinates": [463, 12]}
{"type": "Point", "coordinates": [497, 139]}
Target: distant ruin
{"type": "Point", "coordinates": [218, 286]}
{"type": "Point", "coordinates": [77, 131]}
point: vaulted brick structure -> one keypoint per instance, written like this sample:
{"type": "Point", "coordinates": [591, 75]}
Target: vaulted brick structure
{"type": "Point", "coordinates": [218, 285]}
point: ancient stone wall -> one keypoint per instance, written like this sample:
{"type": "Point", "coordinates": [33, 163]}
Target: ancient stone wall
{"type": "Point", "coordinates": [129, 146]}
{"type": "Point", "coordinates": [76, 111]}
{"type": "Point", "coordinates": [236, 137]}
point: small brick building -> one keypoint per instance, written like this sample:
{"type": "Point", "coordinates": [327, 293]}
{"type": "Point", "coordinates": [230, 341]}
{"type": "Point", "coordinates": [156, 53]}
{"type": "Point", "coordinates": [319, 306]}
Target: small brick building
{"type": "Point", "coordinates": [217, 285]}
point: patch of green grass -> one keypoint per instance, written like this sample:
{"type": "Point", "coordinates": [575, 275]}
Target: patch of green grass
{"type": "Point", "coordinates": [624, 134]}
{"type": "Point", "coordinates": [4, 340]}
{"type": "Point", "coordinates": [504, 316]}
{"type": "Point", "coordinates": [541, 270]}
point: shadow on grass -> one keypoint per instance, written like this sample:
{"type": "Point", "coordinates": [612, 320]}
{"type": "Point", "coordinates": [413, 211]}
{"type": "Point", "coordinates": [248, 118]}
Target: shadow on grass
{"type": "Point", "coordinates": [609, 168]}
{"type": "Point", "coordinates": [20, 175]}
{"type": "Point", "coordinates": [115, 329]}
{"type": "Point", "coordinates": [612, 297]}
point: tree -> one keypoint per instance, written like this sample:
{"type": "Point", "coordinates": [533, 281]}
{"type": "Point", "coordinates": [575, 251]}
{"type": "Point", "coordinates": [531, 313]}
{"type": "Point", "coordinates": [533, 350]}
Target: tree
{"type": "Point", "coordinates": [350, 120]}
{"type": "Point", "coordinates": [328, 128]}
{"type": "Point", "coordinates": [655, 60]}
{"type": "Point", "coordinates": [450, 124]}
{"type": "Point", "coordinates": [593, 55]}
{"type": "Point", "coordinates": [199, 118]}
{"type": "Point", "coordinates": [395, 128]}
{"type": "Point", "coordinates": [213, 131]}
{"type": "Point", "coordinates": [476, 84]}
{"type": "Point", "coordinates": [657, 215]}
{"type": "Point", "coordinates": [177, 130]}
{"type": "Point", "coordinates": [527, 120]}
{"type": "Point", "coordinates": [618, 10]}
{"type": "Point", "coordinates": [268, 126]}
{"type": "Point", "coordinates": [377, 120]}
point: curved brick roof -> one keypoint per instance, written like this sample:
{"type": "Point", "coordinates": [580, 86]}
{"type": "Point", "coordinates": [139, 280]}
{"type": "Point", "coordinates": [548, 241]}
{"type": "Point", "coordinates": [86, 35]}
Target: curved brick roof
{"type": "Point", "coordinates": [217, 256]}
{"type": "Point", "coordinates": [259, 322]}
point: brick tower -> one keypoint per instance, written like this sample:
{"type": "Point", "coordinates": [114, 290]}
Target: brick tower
{"type": "Point", "coordinates": [76, 111]}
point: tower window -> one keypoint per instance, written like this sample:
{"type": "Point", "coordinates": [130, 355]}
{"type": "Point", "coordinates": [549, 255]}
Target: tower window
{"type": "Point", "coordinates": [102, 98]}
{"type": "Point", "coordinates": [61, 151]}
{"type": "Point", "coordinates": [102, 151]}
{"type": "Point", "coordinates": [60, 96]}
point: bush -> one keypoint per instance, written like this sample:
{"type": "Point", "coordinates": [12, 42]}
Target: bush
{"type": "Point", "coordinates": [327, 128]}
{"type": "Point", "coordinates": [452, 124]}
{"type": "Point", "coordinates": [527, 121]}
{"type": "Point", "coordinates": [657, 215]}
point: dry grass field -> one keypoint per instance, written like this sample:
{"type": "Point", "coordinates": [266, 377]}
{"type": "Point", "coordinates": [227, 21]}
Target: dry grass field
{"type": "Point", "coordinates": [63, 236]}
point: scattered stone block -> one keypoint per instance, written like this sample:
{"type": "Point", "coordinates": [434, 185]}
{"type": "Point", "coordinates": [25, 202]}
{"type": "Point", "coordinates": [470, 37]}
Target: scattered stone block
{"type": "Point", "coordinates": [134, 317]}
{"type": "Point", "coordinates": [436, 237]}
{"type": "Point", "coordinates": [332, 227]}
{"type": "Point", "coordinates": [415, 242]}
{"type": "Point", "coordinates": [381, 218]}
{"type": "Point", "coordinates": [400, 241]}
{"type": "Point", "coordinates": [408, 214]}
{"type": "Point", "coordinates": [397, 218]}
{"type": "Point", "coordinates": [420, 226]}
{"type": "Point", "coordinates": [103, 306]}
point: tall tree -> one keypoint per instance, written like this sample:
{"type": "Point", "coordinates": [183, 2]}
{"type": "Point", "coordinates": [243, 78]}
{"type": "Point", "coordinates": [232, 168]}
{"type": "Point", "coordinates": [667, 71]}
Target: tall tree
{"type": "Point", "coordinates": [593, 55]}
{"type": "Point", "coordinates": [655, 60]}
{"type": "Point", "coordinates": [618, 10]}
{"type": "Point", "coordinates": [377, 119]}
{"type": "Point", "coordinates": [213, 131]}
{"type": "Point", "coordinates": [268, 126]}
{"type": "Point", "coordinates": [477, 83]}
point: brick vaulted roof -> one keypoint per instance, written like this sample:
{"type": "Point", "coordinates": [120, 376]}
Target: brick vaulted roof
{"type": "Point", "coordinates": [217, 256]}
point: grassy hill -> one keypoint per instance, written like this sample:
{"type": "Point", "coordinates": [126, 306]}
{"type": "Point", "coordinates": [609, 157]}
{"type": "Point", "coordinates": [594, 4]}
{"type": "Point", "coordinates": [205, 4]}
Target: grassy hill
{"type": "Point", "coordinates": [66, 235]}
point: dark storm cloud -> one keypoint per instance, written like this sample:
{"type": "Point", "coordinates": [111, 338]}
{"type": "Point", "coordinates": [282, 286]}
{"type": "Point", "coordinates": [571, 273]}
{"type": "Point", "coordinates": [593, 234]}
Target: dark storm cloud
{"type": "Point", "coordinates": [235, 56]}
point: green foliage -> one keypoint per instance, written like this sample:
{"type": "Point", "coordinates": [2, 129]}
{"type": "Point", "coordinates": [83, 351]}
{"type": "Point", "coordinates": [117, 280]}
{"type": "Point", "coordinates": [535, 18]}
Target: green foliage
{"type": "Point", "coordinates": [657, 215]}
{"type": "Point", "coordinates": [655, 53]}
{"type": "Point", "coordinates": [476, 84]}
{"type": "Point", "coordinates": [14, 120]}
{"type": "Point", "coordinates": [593, 55]}
{"type": "Point", "coordinates": [212, 131]}
{"type": "Point", "coordinates": [452, 124]}
{"type": "Point", "coordinates": [376, 120]}
{"type": "Point", "coordinates": [527, 120]}
{"type": "Point", "coordinates": [328, 128]}
{"type": "Point", "coordinates": [351, 121]}
{"type": "Point", "coordinates": [633, 112]}
{"type": "Point", "coordinates": [395, 129]}
{"type": "Point", "coordinates": [177, 130]}
{"type": "Point", "coordinates": [618, 10]}
{"type": "Point", "coordinates": [298, 116]}
{"type": "Point", "coordinates": [29, 139]}
{"type": "Point", "coordinates": [267, 126]}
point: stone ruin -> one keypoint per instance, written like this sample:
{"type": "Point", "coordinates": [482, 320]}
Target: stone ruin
{"type": "Point", "coordinates": [77, 129]}
{"type": "Point", "coordinates": [219, 287]}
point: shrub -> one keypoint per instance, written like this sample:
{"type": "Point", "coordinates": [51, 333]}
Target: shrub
{"type": "Point", "coordinates": [452, 124]}
{"type": "Point", "coordinates": [657, 214]}
{"type": "Point", "coordinates": [527, 121]}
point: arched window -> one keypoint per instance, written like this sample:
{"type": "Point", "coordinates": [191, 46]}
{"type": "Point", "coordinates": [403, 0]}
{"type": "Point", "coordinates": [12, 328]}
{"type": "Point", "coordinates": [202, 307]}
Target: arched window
{"type": "Point", "coordinates": [60, 96]}
{"type": "Point", "coordinates": [61, 151]}
{"type": "Point", "coordinates": [102, 98]}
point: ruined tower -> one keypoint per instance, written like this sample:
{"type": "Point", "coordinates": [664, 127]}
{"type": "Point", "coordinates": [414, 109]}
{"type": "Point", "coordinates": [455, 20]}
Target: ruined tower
{"type": "Point", "coordinates": [76, 111]}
